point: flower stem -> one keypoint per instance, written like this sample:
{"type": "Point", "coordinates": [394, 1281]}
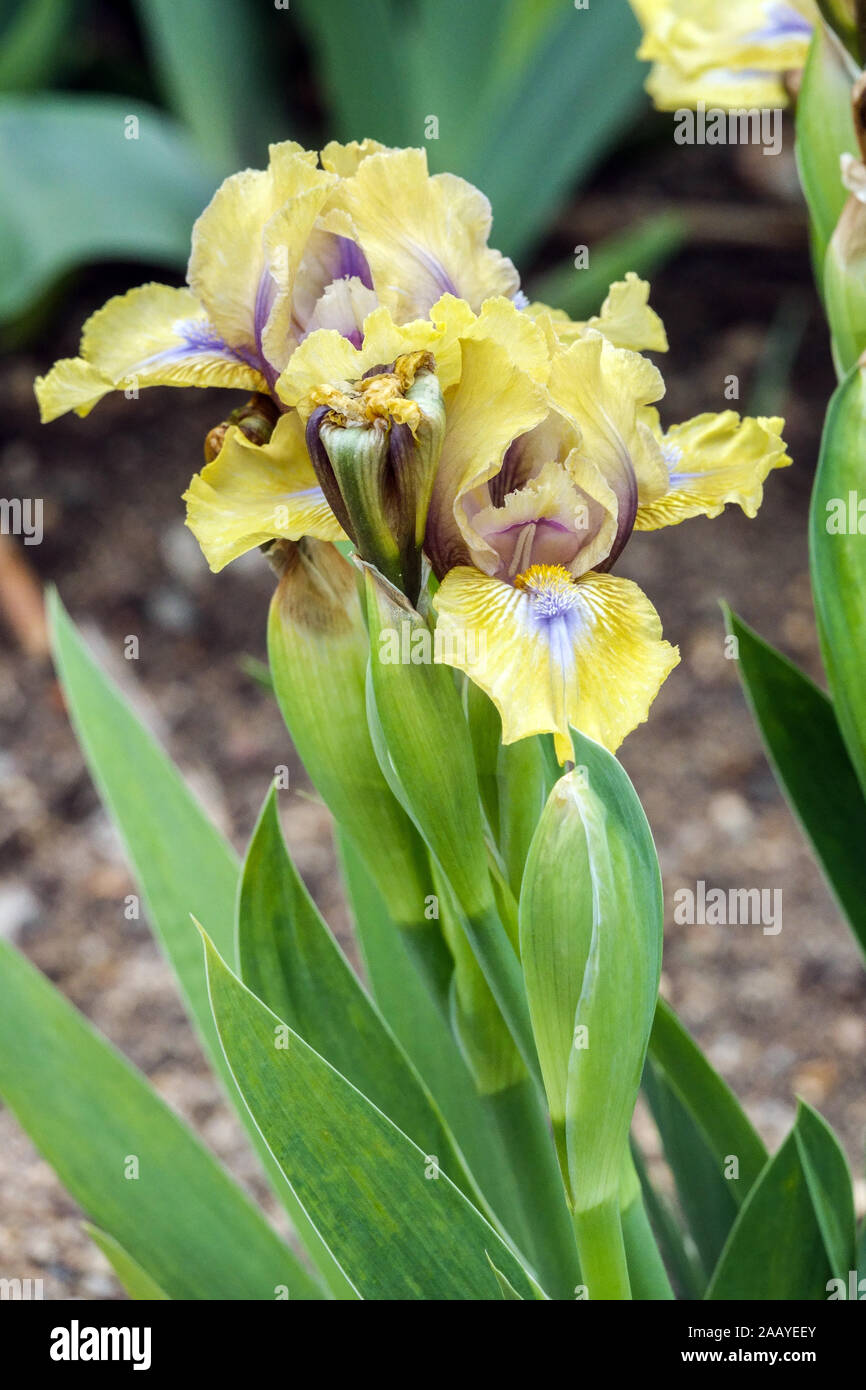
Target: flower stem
{"type": "Point", "coordinates": [547, 1237]}
{"type": "Point", "coordinates": [602, 1251]}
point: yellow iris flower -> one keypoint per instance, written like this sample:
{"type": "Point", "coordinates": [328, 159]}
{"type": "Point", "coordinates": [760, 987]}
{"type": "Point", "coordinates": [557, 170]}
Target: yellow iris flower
{"type": "Point", "coordinates": [553, 453]}
{"type": "Point", "coordinates": [283, 252]}
{"type": "Point", "coordinates": [523, 545]}
{"type": "Point", "coordinates": [315, 286]}
{"type": "Point", "coordinates": [730, 55]}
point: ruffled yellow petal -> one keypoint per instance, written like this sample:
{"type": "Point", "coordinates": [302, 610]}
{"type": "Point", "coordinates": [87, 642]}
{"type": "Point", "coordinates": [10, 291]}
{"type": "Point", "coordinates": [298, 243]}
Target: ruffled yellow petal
{"type": "Point", "coordinates": [152, 336]}
{"type": "Point", "coordinates": [557, 653]}
{"type": "Point", "coordinates": [423, 236]}
{"type": "Point", "coordinates": [236, 269]}
{"type": "Point", "coordinates": [502, 321]}
{"type": "Point", "coordinates": [722, 88]}
{"type": "Point", "coordinates": [727, 55]}
{"type": "Point", "coordinates": [344, 159]}
{"type": "Point", "coordinates": [603, 389]}
{"type": "Point", "coordinates": [713, 460]}
{"type": "Point", "coordinates": [493, 403]}
{"type": "Point", "coordinates": [72, 384]}
{"type": "Point", "coordinates": [625, 319]}
{"type": "Point", "coordinates": [254, 493]}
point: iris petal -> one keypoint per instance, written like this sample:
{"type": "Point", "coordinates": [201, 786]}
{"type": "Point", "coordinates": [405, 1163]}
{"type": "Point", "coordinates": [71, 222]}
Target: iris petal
{"type": "Point", "coordinates": [586, 654]}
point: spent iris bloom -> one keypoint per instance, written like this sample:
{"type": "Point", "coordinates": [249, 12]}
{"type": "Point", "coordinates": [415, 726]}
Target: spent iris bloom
{"type": "Point", "coordinates": [727, 55]}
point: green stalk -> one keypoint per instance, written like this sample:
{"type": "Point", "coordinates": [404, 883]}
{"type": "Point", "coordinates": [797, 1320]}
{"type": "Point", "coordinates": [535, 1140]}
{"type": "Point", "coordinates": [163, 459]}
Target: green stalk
{"type": "Point", "coordinates": [602, 1252]}
{"type": "Point", "coordinates": [433, 961]}
{"type": "Point", "coordinates": [519, 1120]}
{"type": "Point", "coordinates": [647, 1273]}
{"type": "Point", "coordinates": [501, 966]}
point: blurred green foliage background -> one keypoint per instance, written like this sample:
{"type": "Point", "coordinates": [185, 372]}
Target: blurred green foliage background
{"type": "Point", "coordinates": [118, 120]}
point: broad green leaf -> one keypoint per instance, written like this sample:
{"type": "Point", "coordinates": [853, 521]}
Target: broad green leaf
{"type": "Point", "coordinates": [576, 94]}
{"type": "Point", "coordinates": [179, 858]}
{"type": "Point", "coordinates": [122, 198]}
{"type": "Point", "coordinates": [418, 1024]}
{"type": "Point", "coordinates": [290, 960]}
{"type": "Point", "coordinates": [825, 130]}
{"type": "Point", "coordinates": [777, 1248]}
{"type": "Point", "coordinates": [398, 1231]}
{"type": "Point", "coordinates": [708, 1205]}
{"type": "Point", "coordinates": [837, 545]}
{"type": "Point", "coordinates": [450, 50]}
{"type": "Point", "coordinates": [811, 762]}
{"type": "Point", "coordinates": [227, 93]}
{"type": "Point", "coordinates": [708, 1099]}
{"type": "Point", "coordinates": [367, 97]}
{"type": "Point", "coordinates": [829, 1181]}
{"type": "Point", "coordinates": [135, 1280]}
{"type": "Point", "coordinates": [125, 1158]}
{"type": "Point", "coordinates": [33, 42]}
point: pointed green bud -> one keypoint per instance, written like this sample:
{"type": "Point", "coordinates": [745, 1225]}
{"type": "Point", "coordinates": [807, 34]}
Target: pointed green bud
{"type": "Point", "coordinates": [317, 645]}
{"type": "Point", "coordinates": [424, 741]}
{"type": "Point", "coordinates": [590, 942]}
{"type": "Point", "coordinates": [375, 449]}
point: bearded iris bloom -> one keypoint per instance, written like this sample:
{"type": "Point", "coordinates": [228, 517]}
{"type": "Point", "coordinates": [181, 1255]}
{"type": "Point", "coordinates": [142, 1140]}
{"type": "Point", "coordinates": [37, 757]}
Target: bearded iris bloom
{"type": "Point", "coordinates": [553, 453]}
{"type": "Point", "coordinates": [280, 253]}
{"type": "Point", "coordinates": [727, 55]}
{"type": "Point", "coordinates": [408, 398]}
{"type": "Point", "coordinates": [524, 545]}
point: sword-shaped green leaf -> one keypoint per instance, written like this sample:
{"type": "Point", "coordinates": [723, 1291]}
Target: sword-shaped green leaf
{"type": "Point", "coordinates": [398, 1226]}
{"type": "Point", "coordinates": [810, 760]}
{"type": "Point", "coordinates": [135, 1168]}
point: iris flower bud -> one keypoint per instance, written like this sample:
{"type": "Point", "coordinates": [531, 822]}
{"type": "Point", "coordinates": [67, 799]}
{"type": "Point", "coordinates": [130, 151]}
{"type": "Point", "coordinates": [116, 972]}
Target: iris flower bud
{"type": "Point", "coordinates": [255, 419]}
{"type": "Point", "coordinates": [375, 448]}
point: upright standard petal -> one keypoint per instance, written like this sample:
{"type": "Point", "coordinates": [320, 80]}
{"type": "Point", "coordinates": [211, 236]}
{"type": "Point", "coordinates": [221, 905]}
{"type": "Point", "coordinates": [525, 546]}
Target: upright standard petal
{"type": "Point", "coordinates": [605, 391]}
{"type": "Point", "coordinates": [554, 653]}
{"type": "Point", "coordinates": [713, 460]}
{"type": "Point", "coordinates": [255, 493]}
{"type": "Point", "coordinates": [151, 336]}
{"type": "Point", "coordinates": [423, 236]}
{"type": "Point", "coordinates": [492, 404]}
{"type": "Point", "coordinates": [625, 319]}
{"type": "Point", "coordinates": [236, 269]}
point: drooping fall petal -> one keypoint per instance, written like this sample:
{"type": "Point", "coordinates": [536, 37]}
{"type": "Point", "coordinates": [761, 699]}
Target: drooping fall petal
{"type": "Point", "coordinates": [556, 652]}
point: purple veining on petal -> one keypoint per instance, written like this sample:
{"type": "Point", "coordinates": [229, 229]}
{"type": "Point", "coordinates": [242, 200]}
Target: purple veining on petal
{"type": "Point", "coordinates": [197, 336]}
{"type": "Point", "coordinates": [783, 22]}
{"type": "Point", "coordinates": [625, 487]}
{"type": "Point", "coordinates": [352, 262]}
{"type": "Point", "coordinates": [436, 270]}
{"type": "Point", "coordinates": [356, 337]}
{"type": "Point", "coordinates": [265, 296]}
